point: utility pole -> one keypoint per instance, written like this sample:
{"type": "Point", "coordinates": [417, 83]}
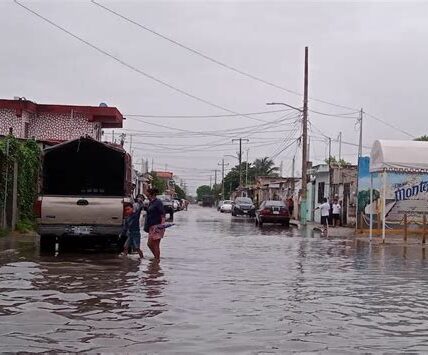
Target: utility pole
{"type": "Point", "coordinates": [240, 157]}
{"type": "Point", "coordinates": [246, 170]}
{"type": "Point", "coordinates": [303, 207]}
{"type": "Point", "coordinates": [329, 168]}
{"type": "Point", "coordinates": [340, 146]}
{"type": "Point", "coordinates": [292, 174]}
{"type": "Point", "coordinates": [222, 177]}
{"type": "Point", "coordinates": [360, 154]}
{"type": "Point", "coordinates": [360, 144]}
{"type": "Point", "coordinates": [153, 163]}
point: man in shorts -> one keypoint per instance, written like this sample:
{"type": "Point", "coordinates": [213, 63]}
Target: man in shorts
{"type": "Point", "coordinates": [336, 212]}
{"type": "Point", "coordinates": [325, 213]}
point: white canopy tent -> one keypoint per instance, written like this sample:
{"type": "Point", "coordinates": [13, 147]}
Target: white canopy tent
{"type": "Point", "coordinates": [399, 156]}
{"type": "Point", "coordinates": [395, 156]}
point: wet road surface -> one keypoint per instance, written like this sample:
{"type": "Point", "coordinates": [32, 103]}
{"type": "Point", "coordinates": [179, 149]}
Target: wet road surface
{"type": "Point", "coordinates": [223, 286]}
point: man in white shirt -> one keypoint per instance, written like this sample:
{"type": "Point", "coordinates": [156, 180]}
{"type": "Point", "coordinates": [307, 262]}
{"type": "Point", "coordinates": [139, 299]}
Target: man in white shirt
{"type": "Point", "coordinates": [336, 212]}
{"type": "Point", "coordinates": [325, 212]}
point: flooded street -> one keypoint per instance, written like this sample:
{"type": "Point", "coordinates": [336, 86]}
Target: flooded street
{"type": "Point", "coordinates": [223, 286]}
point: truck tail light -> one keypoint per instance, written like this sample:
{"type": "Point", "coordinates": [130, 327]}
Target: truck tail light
{"type": "Point", "coordinates": [37, 208]}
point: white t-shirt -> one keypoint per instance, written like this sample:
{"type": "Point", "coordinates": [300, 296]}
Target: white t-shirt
{"type": "Point", "coordinates": [336, 208]}
{"type": "Point", "coordinates": [325, 209]}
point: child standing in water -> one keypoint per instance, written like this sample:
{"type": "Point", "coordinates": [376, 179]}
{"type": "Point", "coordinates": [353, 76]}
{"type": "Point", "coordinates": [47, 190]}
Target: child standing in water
{"type": "Point", "coordinates": [131, 228]}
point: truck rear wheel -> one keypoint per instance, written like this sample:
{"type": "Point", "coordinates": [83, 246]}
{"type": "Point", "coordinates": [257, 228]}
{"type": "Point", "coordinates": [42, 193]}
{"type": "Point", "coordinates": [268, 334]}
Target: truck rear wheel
{"type": "Point", "coordinates": [47, 243]}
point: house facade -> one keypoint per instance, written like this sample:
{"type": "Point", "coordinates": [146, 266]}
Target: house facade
{"type": "Point", "coordinates": [50, 122]}
{"type": "Point", "coordinates": [332, 182]}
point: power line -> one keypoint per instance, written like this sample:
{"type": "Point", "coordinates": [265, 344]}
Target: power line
{"type": "Point", "coordinates": [211, 59]}
{"type": "Point", "coordinates": [133, 68]}
{"type": "Point", "coordinates": [205, 116]}
{"type": "Point", "coordinates": [389, 125]}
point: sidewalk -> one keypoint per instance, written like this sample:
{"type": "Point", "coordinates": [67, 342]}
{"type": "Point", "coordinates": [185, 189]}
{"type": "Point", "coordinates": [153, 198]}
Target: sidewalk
{"type": "Point", "coordinates": [344, 232]}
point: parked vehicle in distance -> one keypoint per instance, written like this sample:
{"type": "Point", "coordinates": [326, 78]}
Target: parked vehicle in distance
{"type": "Point", "coordinates": [168, 205]}
{"type": "Point", "coordinates": [177, 205]}
{"type": "Point", "coordinates": [219, 205]}
{"type": "Point", "coordinates": [243, 206]}
{"type": "Point", "coordinates": [84, 184]}
{"type": "Point", "coordinates": [207, 201]}
{"type": "Point", "coordinates": [273, 212]}
{"type": "Point", "coordinates": [226, 206]}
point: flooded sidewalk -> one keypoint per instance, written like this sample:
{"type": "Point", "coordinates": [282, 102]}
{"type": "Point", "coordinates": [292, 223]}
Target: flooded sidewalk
{"type": "Point", "coordinates": [223, 286]}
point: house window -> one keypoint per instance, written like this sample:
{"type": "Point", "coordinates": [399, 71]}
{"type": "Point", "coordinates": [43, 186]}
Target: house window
{"type": "Point", "coordinates": [321, 188]}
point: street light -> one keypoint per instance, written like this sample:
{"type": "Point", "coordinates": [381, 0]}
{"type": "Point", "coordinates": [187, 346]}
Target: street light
{"type": "Point", "coordinates": [304, 111]}
{"type": "Point", "coordinates": [283, 104]}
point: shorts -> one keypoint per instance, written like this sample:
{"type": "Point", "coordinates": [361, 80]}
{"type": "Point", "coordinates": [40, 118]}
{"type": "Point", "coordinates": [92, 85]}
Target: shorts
{"type": "Point", "coordinates": [324, 220]}
{"type": "Point", "coordinates": [336, 217]}
{"type": "Point", "coordinates": [133, 240]}
{"type": "Point", "coordinates": [155, 233]}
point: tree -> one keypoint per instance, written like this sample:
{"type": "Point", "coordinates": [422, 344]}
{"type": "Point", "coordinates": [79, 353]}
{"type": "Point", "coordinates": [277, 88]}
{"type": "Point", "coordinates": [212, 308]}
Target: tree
{"type": "Point", "coordinates": [158, 183]}
{"type": "Point", "coordinates": [264, 167]}
{"type": "Point", "coordinates": [202, 191]}
{"type": "Point", "coordinates": [334, 161]}
{"type": "Point", "coordinates": [423, 138]}
{"type": "Point", "coordinates": [180, 192]}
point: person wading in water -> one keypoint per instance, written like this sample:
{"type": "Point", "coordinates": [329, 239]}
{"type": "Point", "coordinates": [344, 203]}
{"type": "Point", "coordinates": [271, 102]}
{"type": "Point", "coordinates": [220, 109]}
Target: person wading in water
{"type": "Point", "coordinates": [155, 216]}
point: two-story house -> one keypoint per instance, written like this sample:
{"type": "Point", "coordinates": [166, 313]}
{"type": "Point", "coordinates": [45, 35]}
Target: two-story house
{"type": "Point", "coordinates": [48, 122]}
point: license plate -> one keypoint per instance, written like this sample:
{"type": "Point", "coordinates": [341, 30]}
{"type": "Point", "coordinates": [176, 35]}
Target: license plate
{"type": "Point", "coordinates": [81, 230]}
{"type": "Point", "coordinates": [245, 212]}
{"type": "Point", "coordinates": [275, 212]}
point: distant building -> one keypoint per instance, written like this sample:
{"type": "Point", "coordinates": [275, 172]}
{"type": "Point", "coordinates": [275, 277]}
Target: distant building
{"type": "Point", "coordinates": [168, 177]}
{"type": "Point", "coordinates": [49, 122]}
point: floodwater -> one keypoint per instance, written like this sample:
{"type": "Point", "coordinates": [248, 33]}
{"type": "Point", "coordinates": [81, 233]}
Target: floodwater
{"type": "Point", "coordinates": [223, 286]}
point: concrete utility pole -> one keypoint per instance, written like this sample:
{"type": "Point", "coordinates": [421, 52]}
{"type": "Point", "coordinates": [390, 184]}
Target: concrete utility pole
{"type": "Point", "coordinates": [329, 167]}
{"type": "Point", "coordinates": [246, 170]}
{"type": "Point", "coordinates": [360, 143]}
{"type": "Point", "coordinates": [240, 156]}
{"type": "Point", "coordinates": [340, 146]}
{"type": "Point", "coordinates": [292, 174]}
{"type": "Point", "coordinates": [303, 208]}
{"type": "Point", "coordinates": [222, 177]}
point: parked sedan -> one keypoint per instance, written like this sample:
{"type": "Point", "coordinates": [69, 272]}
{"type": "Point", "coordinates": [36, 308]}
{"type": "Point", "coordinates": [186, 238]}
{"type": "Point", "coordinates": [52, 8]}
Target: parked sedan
{"type": "Point", "coordinates": [273, 212]}
{"type": "Point", "coordinates": [243, 206]}
{"type": "Point", "coordinates": [226, 206]}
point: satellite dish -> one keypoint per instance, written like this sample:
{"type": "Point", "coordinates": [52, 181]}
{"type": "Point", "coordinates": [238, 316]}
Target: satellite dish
{"type": "Point", "coordinates": [103, 104]}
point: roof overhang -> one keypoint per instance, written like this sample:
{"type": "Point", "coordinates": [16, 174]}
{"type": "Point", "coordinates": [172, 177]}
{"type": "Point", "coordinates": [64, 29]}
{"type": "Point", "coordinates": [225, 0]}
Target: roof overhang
{"type": "Point", "coordinates": [109, 117]}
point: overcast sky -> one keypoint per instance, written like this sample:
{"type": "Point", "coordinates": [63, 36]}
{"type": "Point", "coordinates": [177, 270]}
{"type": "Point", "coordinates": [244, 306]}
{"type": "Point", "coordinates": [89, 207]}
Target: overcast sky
{"type": "Point", "coordinates": [369, 55]}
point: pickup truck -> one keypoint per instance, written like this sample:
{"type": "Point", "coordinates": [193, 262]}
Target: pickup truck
{"type": "Point", "coordinates": [84, 184]}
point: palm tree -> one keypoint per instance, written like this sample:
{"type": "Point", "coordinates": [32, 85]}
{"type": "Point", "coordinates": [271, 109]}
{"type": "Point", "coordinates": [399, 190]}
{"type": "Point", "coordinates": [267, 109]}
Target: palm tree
{"type": "Point", "coordinates": [265, 167]}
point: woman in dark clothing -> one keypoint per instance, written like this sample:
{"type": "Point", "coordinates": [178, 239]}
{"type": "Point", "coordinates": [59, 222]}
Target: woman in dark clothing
{"type": "Point", "coordinates": [155, 216]}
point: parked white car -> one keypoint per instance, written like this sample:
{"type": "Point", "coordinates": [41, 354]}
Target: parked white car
{"type": "Point", "coordinates": [226, 206]}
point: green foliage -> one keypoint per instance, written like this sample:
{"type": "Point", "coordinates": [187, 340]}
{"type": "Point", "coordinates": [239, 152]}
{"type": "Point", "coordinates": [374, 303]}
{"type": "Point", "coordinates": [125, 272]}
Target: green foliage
{"type": "Point", "coordinates": [364, 198]}
{"type": "Point", "coordinates": [158, 183]}
{"type": "Point", "coordinates": [423, 138]}
{"type": "Point", "coordinates": [180, 192]}
{"type": "Point", "coordinates": [27, 154]}
{"type": "Point", "coordinates": [264, 167]}
{"type": "Point", "coordinates": [334, 161]}
{"type": "Point", "coordinates": [260, 167]}
{"type": "Point", "coordinates": [25, 226]}
{"type": "Point", "coordinates": [203, 190]}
